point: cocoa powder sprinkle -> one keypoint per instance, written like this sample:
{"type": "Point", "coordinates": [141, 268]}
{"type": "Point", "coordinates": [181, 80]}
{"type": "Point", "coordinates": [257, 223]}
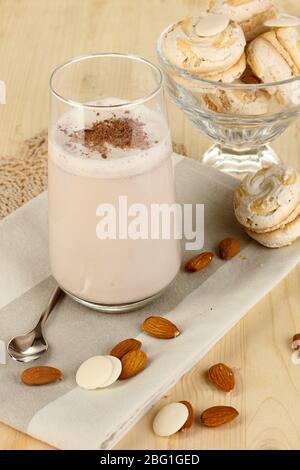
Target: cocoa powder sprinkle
{"type": "Point", "coordinates": [124, 133]}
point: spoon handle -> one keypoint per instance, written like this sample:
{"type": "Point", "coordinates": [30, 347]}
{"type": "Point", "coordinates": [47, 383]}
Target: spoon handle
{"type": "Point", "coordinates": [51, 304]}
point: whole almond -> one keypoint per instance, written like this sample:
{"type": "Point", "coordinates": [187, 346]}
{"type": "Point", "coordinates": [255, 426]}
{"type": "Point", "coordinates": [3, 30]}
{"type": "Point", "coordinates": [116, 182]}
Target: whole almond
{"type": "Point", "coordinates": [228, 248]}
{"type": "Point", "coordinates": [218, 415]}
{"type": "Point", "coordinates": [189, 422]}
{"type": "Point", "coordinates": [199, 262]}
{"type": "Point", "coordinates": [160, 327]}
{"type": "Point", "coordinates": [132, 363]}
{"type": "Point", "coordinates": [41, 375]}
{"type": "Point", "coordinates": [125, 346]}
{"type": "Point", "coordinates": [222, 377]}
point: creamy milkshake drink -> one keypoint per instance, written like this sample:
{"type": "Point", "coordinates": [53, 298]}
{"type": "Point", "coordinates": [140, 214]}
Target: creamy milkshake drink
{"type": "Point", "coordinates": [108, 163]}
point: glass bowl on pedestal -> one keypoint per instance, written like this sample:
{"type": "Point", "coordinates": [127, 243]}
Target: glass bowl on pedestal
{"type": "Point", "coordinates": [241, 118]}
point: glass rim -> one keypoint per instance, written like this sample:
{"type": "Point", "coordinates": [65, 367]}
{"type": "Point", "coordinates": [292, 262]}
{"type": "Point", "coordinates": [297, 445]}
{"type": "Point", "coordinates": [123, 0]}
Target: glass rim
{"type": "Point", "coordinates": [127, 104]}
{"type": "Point", "coordinates": [213, 83]}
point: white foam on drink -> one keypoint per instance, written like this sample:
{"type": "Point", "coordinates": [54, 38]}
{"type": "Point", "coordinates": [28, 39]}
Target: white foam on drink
{"type": "Point", "coordinates": [77, 159]}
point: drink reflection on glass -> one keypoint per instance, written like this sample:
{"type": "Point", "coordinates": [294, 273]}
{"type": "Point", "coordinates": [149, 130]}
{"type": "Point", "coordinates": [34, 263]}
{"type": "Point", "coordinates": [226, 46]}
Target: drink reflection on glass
{"type": "Point", "coordinates": [109, 140]}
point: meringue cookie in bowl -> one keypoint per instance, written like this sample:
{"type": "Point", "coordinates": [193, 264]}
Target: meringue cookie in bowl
{"type": "Point", "coordinates": [195, 92]}
{"type": "Point", "coordinates": [289, 39]}
{"type": "Point", "coordinates": [269, 199]}
{"type": "Point", "coordinates": [274, 56]}
{"type": "Point", "coordinates": [204, 56]}
{"type": "Point", "coordinates": [267, 61]}
{"type": "Point", "coordinates": [238, 102]}
{"type": "Point", "coordinates": [242, 107]}
{"type": "Point", "coordinates": [230, 75]}
{"type": "Point", "coordinates": [249, 14]}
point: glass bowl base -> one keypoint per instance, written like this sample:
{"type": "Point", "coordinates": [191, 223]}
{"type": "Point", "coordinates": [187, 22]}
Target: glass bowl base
{"type": "Point", "coordinates": [239, 163]}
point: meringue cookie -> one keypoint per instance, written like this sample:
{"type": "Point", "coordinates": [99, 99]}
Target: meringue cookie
{"type": "Point", "coordinates": [227, 76]}
{"type": "Point", "coordinates": [204, 56]}
{"type": "Point", "coordinates": [266, 61]}
{"type": "Point", "coordinates": [284, 236]}
{"type": "Point", "coordinates": [249, 14]}
{"type": "Point", "coordinates": [231, 74]}
{"type": "Point", "coordinates": [269, 199]}
{"type": "Point", "coordinates": [238, 102]}
{"type": "Point", "coordinates": [275, 56]}
{"type": "Point", "coordinates": [290, 40]}
{"type": "Point", "coordinates": [279, 39]}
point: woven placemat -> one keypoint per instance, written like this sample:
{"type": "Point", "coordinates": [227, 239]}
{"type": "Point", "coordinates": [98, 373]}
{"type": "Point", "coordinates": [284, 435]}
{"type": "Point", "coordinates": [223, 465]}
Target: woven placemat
{"type": "Point", "coordinates": [24, 176]}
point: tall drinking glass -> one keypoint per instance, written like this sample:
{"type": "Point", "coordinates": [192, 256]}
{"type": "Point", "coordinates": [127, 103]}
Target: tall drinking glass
{"type": "Point", "coordinates": [109, 164]}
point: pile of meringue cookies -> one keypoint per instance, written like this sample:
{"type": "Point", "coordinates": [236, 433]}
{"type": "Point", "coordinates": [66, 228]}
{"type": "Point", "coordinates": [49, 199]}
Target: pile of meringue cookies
{"type": "Point", "coordinates": [267, 204]}
{"type": "Point", "coordinates": [245, 42]}
{"type": "Point", "coordinates": [237, 42]}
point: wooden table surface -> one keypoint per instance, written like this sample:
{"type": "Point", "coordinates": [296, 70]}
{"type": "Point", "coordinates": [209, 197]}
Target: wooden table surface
{"type": "Point", "coordinates": [37, 35]}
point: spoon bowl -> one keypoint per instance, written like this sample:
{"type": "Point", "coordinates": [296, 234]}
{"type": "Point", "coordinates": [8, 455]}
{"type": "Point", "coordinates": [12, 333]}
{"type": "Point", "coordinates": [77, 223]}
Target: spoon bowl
{"type": "Point", "coordinates": [29, 347]}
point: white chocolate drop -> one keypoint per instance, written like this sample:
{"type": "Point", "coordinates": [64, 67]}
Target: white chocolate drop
{"type": "Point", "coordinates": [282, 23]}
{"type": "Point", "coordinates": [170, 419]}
{"type": "Point", "coordinates": [117, 369]}
{"type": "Point", "coordinates": [94, 372]}
{"type": "Point", "coordinates": [211, 24]}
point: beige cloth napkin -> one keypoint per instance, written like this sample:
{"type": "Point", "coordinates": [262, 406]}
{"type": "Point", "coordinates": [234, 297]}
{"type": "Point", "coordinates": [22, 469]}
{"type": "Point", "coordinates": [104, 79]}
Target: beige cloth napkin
{"type": "Point", "coordinates": [204, 306]}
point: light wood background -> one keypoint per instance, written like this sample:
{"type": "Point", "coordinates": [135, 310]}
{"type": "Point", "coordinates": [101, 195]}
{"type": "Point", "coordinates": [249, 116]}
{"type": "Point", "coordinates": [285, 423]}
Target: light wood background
{"type": "Point", "coordinates": [37, 35]}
